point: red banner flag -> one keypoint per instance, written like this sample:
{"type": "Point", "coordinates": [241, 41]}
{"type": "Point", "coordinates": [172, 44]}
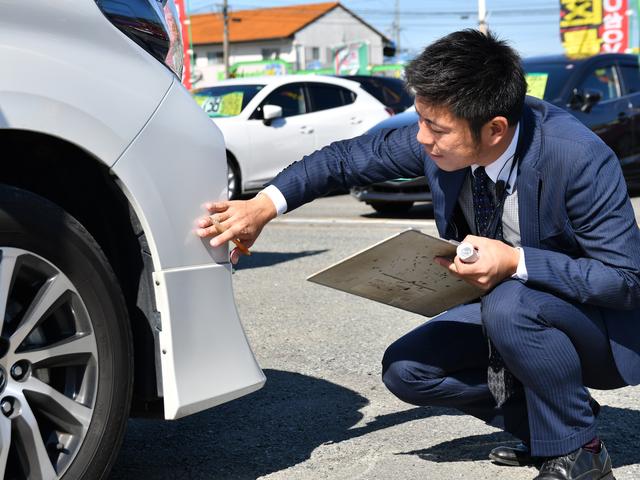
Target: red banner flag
{"type": "Point", "coordinates": [588, 27]}
{"type": "Point", "coordinates": [184, 23]}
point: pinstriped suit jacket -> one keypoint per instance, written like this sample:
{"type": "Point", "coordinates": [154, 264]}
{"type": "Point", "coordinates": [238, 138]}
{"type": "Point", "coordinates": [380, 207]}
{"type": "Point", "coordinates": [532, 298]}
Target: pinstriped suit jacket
{"type": "Point", "coordinates": [577, 226]}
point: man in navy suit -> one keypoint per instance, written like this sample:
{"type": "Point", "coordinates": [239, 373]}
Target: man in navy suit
{"type": "Point", "coordinates": [544, 202]}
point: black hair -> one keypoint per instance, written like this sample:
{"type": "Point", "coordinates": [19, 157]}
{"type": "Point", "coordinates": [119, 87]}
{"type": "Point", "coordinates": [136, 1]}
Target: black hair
{"type": "Point", "coordinates": [475, 75]}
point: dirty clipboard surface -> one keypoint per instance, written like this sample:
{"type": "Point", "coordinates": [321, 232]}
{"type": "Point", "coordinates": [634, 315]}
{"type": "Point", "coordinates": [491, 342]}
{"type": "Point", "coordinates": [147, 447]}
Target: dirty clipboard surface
{"type": "Point", "coordinates": [400, 271]}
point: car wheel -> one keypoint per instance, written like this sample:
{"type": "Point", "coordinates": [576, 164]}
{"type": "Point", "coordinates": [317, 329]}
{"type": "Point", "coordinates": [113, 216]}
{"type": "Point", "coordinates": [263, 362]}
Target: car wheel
{"type": "Point", "coordinates": [65, 347]}
{"type": "Point", "coordinates": [391, 207]}
{"type": "Point", "coordinates": [233, 180]}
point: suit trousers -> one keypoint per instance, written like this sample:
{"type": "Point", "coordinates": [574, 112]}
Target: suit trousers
{"type": "Point", "coordinates": [554, 347]}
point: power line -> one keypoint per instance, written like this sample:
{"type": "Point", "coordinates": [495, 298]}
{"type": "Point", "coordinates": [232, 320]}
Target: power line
{"type": "Point", "coordinates": [404, 13]}
{"type": "Point", "coordinates": [280, 18]}
{"type": "Point", "coordinates": [395, 26]}
{"type": "Point", "coordinates": [520, 11]}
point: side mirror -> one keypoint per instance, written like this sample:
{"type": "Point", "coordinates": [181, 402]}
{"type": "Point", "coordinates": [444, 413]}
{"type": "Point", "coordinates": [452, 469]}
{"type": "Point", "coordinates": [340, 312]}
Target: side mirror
{"type": "Point", "coordinates": [585, 100]}
{"type": "Point", "coordinates": [271, 112]}
{"type": "Point", "coordinates": [591, 97]}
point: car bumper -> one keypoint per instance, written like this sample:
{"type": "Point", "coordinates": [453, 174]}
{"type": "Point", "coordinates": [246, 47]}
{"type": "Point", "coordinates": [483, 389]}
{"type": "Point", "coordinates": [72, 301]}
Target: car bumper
{"type": "Point", "coordinates": [206, 359]}
{"type": "Point", "coordinates": [394, 191]}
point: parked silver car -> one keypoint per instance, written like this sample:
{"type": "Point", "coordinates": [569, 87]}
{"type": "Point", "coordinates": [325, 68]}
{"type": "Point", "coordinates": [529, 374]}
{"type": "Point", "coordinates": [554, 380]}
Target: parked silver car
{"type": "Point", "coordinates": [110, 303]}
{"type": "Point", "coordinates": [270, 122]}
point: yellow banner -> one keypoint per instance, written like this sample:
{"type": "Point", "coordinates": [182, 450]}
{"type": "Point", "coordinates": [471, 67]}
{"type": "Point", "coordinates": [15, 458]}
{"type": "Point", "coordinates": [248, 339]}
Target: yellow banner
{"type": "Point", "coordinates": [581, 43]}
{"type": "Point", "coordinates": [580, 21]}
{"type": "Point", "coordinates": [578, 13]}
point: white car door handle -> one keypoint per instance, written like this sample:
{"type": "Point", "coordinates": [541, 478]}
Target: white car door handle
{"type": "Point", "coordinates": [305, 129]}
{"type": "Point", "coordinates": [355, 120]}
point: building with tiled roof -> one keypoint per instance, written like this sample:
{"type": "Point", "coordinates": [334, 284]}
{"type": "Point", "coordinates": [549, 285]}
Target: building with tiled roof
{"type": "Point", "coordinates": [306, 36]}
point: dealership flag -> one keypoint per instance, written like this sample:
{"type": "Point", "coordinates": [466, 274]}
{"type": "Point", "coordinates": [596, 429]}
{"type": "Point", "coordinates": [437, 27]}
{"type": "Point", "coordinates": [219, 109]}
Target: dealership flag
{"type": "Point", "coordinates": [184, 23]}
{"type": "Point", "coordinates": [588, 27]}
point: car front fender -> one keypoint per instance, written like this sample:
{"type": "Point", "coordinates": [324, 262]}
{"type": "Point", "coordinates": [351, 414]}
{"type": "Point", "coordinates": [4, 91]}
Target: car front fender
{"type": "Point", "coordinates": [177, 163]}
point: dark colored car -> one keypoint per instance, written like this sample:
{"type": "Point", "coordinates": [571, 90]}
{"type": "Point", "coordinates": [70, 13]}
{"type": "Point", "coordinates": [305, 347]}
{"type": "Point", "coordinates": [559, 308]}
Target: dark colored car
{"type": "Point", "coordinates": [398, 195]}
{"type": "Point", "coordinates": [388, 90]}
{"type": "Point", "coordinates": [602, 91]}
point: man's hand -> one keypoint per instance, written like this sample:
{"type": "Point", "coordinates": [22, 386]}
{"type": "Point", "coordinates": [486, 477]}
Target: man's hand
{"type": "Point", "coordinates": [496, 261]}
{"type": "Point", "coordinates": [240, 219]}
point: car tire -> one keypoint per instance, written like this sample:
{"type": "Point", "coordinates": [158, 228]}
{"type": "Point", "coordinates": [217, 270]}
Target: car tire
{"type": "Point", "coordinates": [63, 412]}
{"type": "Point", "coordinates": [233, 179]}
{"type": "Point", "coordinates": [391, 207]}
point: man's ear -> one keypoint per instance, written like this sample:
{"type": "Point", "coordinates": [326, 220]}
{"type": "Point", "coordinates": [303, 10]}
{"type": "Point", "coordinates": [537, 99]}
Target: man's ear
{"type": "Point", "coordinates": [495, 130]}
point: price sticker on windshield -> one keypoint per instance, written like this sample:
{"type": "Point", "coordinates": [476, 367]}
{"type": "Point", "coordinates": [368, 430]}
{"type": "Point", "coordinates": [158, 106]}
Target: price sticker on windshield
{"type": "Point", "coordinates": [227, 105]}
{"type": "Point", "coordinates": [537, 84]}
{"type": "Point", "coordinates": [231, 104]}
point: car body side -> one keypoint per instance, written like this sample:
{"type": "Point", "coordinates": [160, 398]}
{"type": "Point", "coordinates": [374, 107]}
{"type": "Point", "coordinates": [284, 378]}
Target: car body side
{"type": "Point", "coordinates": [391, 91]}
{"type": "Point", "coordinates": [93, 123]}
{"type": "Point", "coordinates": [241, 131]}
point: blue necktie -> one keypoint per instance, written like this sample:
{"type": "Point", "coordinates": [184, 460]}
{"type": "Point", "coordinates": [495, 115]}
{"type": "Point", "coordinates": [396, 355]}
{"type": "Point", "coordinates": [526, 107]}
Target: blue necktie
{"type": "Point", "coordinates": [500, 381]}
{"type": "Point", "coordinates": [484, 206]}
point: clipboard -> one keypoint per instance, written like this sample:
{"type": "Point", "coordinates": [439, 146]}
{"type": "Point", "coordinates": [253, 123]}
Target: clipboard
{"type": "Point", "coordinates": [400, 271]}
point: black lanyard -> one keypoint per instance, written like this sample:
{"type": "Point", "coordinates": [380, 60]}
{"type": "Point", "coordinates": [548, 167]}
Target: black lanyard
{"type": "Point", "coordinates": [501, 196]}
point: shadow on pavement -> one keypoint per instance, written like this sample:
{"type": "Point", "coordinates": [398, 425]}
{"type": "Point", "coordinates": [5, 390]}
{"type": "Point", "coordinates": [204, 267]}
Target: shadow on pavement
{"type": "Point", "coordinates": [267, 259]}
{"type": "Point", "coordinates": [392, 419]}
{"type": "Point", "coordinates": [619, 428]}
{"type": "Point", "coordinates": [267, 431]}
{"type": "Point", "coordinates": [464, 449]}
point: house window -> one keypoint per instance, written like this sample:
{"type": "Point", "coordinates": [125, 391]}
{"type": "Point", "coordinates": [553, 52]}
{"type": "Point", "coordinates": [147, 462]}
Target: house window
{"type": "Point", "coordinates": [270, 53]}
{"type": "Point", "coordinates": [315, 53]}
{"type": "Point", "coordinates": [215, 58]}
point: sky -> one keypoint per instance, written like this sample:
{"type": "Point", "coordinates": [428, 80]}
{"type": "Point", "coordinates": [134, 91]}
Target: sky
{"type": "Point", "coordinates": [531, 27]}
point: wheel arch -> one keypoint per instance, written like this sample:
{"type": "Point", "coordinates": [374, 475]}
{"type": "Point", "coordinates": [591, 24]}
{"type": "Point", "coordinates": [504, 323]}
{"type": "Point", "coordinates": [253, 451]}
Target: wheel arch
{"type": "Point", "coordinates": [232, 159]}
{"type": "Point", "coordinates": [83, 186]}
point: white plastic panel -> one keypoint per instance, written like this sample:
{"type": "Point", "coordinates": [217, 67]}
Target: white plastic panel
{"type": "Point", "coordinates": [206, 359]}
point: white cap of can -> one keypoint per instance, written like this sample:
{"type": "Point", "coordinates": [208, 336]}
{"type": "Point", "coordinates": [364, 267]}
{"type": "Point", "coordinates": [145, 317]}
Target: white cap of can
{"type": "Point", "coordinates": [467, 252]}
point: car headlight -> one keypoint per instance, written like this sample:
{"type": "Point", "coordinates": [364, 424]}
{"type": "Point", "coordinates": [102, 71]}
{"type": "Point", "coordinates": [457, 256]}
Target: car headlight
{"type": "Point", "coordinates": [152, 24]}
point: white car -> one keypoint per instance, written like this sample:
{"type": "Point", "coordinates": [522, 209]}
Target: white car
{"type": "Point", "coordinates": [106, 294]}
{"type": "Point", "coordinates": [270, 122]}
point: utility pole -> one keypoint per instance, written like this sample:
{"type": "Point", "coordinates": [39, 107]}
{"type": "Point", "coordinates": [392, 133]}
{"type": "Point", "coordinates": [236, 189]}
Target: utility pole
{"type": "Point", "coordinates": [225, 37]}
{"type": "Point", "coordinates": [395, 27]}
{"type": "Point", "coordinates": [482, 16]}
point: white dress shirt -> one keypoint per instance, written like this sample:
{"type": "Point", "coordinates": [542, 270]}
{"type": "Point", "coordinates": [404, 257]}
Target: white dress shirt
{"type": "Point", "coordinates": [503, 169]}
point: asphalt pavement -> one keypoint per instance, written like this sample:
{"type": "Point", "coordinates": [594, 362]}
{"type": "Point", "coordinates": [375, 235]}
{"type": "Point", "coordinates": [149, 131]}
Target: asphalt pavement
{"type": "Point", "coordinates": [324, 412]}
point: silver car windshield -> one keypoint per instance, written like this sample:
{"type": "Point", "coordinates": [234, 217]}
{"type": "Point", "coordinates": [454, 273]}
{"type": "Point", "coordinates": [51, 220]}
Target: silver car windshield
{"type": "Point", "coordinates": [226, 100]}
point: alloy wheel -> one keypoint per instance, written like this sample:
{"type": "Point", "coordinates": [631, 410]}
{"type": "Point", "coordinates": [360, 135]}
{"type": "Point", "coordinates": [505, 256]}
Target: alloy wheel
{"type": "Point", "coordinates": [48, 368]}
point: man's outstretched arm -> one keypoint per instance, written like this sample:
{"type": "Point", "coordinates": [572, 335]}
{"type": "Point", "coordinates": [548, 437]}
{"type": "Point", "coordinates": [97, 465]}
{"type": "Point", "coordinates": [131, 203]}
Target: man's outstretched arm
{"type": "Point", "coordinates": [358, 161]}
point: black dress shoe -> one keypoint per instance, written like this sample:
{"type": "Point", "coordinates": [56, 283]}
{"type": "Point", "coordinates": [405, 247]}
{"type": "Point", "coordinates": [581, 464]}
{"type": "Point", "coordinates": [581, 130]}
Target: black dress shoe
{"type": "Point", "coordinates": [578, 465]}
{"type": "Point", "coordinates": [520, 455]}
